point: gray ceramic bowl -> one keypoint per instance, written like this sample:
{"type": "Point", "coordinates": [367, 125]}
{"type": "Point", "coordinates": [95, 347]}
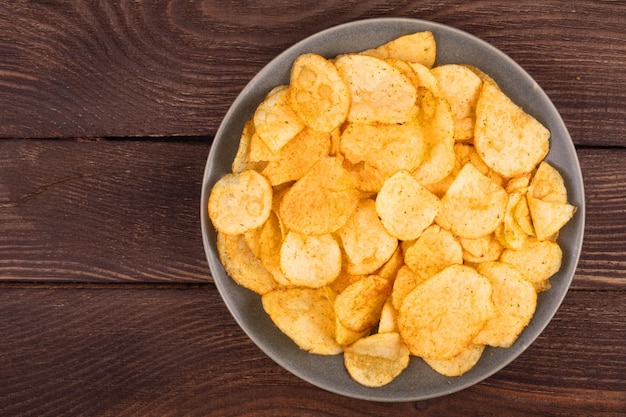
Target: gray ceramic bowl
{"type": "Point", "coordinates": [453, 46]}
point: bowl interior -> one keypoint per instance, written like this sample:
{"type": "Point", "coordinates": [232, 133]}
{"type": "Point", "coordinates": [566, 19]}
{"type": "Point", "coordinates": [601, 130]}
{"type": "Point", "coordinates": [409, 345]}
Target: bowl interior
{"type": "Point", "coordinates": [453, 46]}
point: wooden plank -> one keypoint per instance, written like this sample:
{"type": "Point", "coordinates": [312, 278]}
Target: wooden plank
{"type": "Point", "coordinates": [94, 69]}
{"type": "Point", "coordinates": [128, 211]}
{"type": "Point", "coordinates": [175, 350]}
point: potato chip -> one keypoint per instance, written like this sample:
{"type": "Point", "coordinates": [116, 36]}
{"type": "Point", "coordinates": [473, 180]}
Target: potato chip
{"type": "Point", "coordinates": [522, 216]}
{"type": "Point", "coordinates": [424, 78]}
{"type": "Point", "coordinates": [473, 206]}
{"type": "Point", "coordinates": [518, 184]}
{"type": "Point", "coordinates": [536, 260]}
{"type": "Point", "coordinates": [405, 282]}
{"type": "Point", "coordinates": [376, 360]}
{"type": "Point", "coordinates": [510, 233]}
{"type": "Point", "coordinates": [269, 241]}
{"type": "Point", "coordinates": [380, 93]}
{"type": "Point", "coordinates": [466, 152]}
{"type": "Point", "coordinates": [548, 185]}
{"type": "Point", "coordinates": [388, 322]}
{"type": "Point", "coordinates": [306, 316]}
{"type": "Point", "coordinates": [310, 261]}
{"type": "Point", "coordinates": [358, 307]}
{"type": "Point", "coordinates": [390, 269]}
{"type": "Point", "coordinates": [242, 266]}
{"type": "Point", "coordinates": [419, 47]}
{"type": "Point", "coordinates": [482, 249]}
{"type": "Point", "coordinates": [459, 364]}
{"type": "Point", "coordinates": [548, 217]}
{"type": "Point", "coordinates": [460, 87]}
{"type": "Point", "coordinates": [405, 207]}
{"type": "Point", "coordinates": [510, 141]}
{"type": "Point", "coordinates": [240, 202]}
{"type": "Point", "coordinates": [388, 148]}
{"type": "Point", "coordinates": [366, 243]}
{"type": "Point", "coordinates": [441, 316]}
{"type": "Point", "coordinates": [275, 121]}
{"type": "Point", "coordinates": [317, 92]}
{"type": "Point", "coordinates": [345, 336]}
{"type": "Point", "coordinates": [241, 161]}
{"type": "Point", "coordinates": [321, 201]}
{"type": "Point", "coordinates": [435, 250]}
{"type": "Point", "coordinates": [515, 299]}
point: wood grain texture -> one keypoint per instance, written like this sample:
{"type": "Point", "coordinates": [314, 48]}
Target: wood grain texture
{"type": "Point", "coordinates": [108, 351]}
{"type": "Point", "coordinates": [152, 68]}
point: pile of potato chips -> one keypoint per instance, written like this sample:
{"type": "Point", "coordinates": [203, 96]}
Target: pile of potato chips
{"type": "Point", "coordinates": [384, 208]}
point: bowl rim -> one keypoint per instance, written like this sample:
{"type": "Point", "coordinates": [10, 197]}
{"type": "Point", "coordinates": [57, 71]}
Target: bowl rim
{"type": "Point", "coordinates": [532, 99]}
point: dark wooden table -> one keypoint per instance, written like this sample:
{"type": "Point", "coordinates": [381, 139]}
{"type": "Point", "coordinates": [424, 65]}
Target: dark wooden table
{"type": "Point", "coordinates": [107, 112]}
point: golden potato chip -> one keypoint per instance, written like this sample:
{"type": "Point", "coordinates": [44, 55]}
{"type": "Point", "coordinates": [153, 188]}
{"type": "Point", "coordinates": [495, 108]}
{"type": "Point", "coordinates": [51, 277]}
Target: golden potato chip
{"type": "Point", "coordinates": [388, 148]}
{"type": "Point", "coordinates": [405, 282]}
{"type": "Point", "coordinates": [466, 152]}
{"type": "Point", "coordinates": [269, 241]}
{"type": "Point", "coordinates": [379, 92]}
{"type": "Point", "coordinates": [365, 241]}
{"type": "Point", "coordinates": [419, 47]}
{"type": "Point", "coordinates": [306, 316]}
{"type": "Point", "coordinates": [241, 161]}
{"type": "Point", "coordinates": [522, 216]}
{"type": "Point", "coordinates": [376, 360]}
{"type": "Point", "coordinates": [441, 316]}
{"type": "Point", "coordinates": [548, 217]}
{"type": "Point", "coordinates": [536, 260]}
{"type": "Point", "coordinates": [405, 207]}
{"type": "Point", "coordinates": [310, 261]}
{"type": "Point", "coordinates": [460, 87]}
{"type": "Point", "coordinates": [459, 364]}
{"type": "Point", "coordinates": [343, 281]}
{"type": "Point", "coordinates": [275, 121]}
{"type": "Point", "coordinates": [345, 336]}
{"type": "Point", "coordinates": [509, 232]}
{"type": "Point", "coordinates": [547, 184]}
{"type": "Point", "coordinates": [435, 250]}
{"type": "Point", "coordinates": [321, 201]}
{"type": "Point", "coordinates": [317, 92]}
{"type": "Point", "coordinates": [518, 184]}
{"type": "Point", "coordinates": [510, 141]}
{"type": "Point", "coordinates": [473, 206]}
{"type": "Point", "coordinates": [438, 132]}
{"type": "Point", "coordinates": [242, 266]}
{"type": "Point", "coordinates": [392, 266]}
{"type": "Point", "coordinates": [294, 159]}
{"type": "Point", "coordinates": [240, 202]}
{"type": "Point", "coordinates": [515, 299]}
{"type": "Point", "coordinates": [482, 249]}
{"type": "Point", "coordinates": [358, 307]}
{"type": "Point", "coordinates": [388, 322]}
{"type": "Point", "coordinates": [424, 78]}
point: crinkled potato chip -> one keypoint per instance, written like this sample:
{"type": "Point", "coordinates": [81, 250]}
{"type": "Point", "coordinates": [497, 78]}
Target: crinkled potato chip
{"type": "Point", "coordinates": [536, 260]}
{"type": "Point", "coordinates": [376, 360]}
{"type": "Point", "coordinates": [310, 261]}
{"type": "Point", "coordinates": [240, 202]}
{"type": "Point", "coordinates": [406, 207]}
{"type": "Point", "coordinates": [419, 47]}
{"type": "Point", "coordinates": [515, 299]}
{"type": "Point", "coordinates": [473, 206]}
{"type": "Point", "coordinates": [435, 250]}
{"type": "Point", "coordinates": [459, 364]}
{"type": "Point", "coordinates": [318, 94]}
{"type": "Point", "coordinates": [242, 266]}
{"type": "Point", "coordinates": [380, 93]}
{"type": "Point", "coordinates": [509, 140]}
{"type": "Point", "coordinates": [366, 243]}
{"type": "Point", "coordinates": [442, 315]}
{"type": "Point", "coordinates": [275, 121]}
{"type": "Point", "coordinates": [321, 201]}
{"type": "Point", "coordinates": [306, 316]}
{"type": "Point", "coordinates": [358, 307]}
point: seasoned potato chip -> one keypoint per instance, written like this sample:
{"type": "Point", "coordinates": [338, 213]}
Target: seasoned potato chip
{"type": "Point", "coordinates": [459, 364]}
{"type": "Point", "coordinates": [392, 266]}
{"type": "Point", "coordinates": [240, 202]}
{"type": "Point", "coordinates": [548, 217]}
{"type": "Point", "coordinates": [435, 250]}
{"type": "Point", "coordinates": [376, 360]}
{"type": "Point", "coordinates": [388, 318]}
{"type": "Point", "coordinates": [547, 184]}
{"type": "Point", "coordinates": [269, 241]}
{"type": "Point", "coordinates": [380, 93]}
{"type": "Point", "coordinates": [482, 249]}
{"type": "Point", "coordinates": [424, 78]}
{"type": "Point", "coordinates": [405, 282]}
{"type": "Point", "coordinates": [275, 121]}
{"type": "Point", "coordinates": [388, 148]}
{"type": "Point", "coordinates": [522, 216]}
{"type": "Point", "coordinates": [441, 316]}
{"type": "Point", "coordinates": [536, 260]}
{"type": "Point", "coordinates": [358, 307]}
{"type": "Point", "coordinates": [419, 47]}
{"type": "Point", "coordinates": [460, 87]}
{"type": "Point", "coordinates": [317, 92]}
{"type": "Point", "coordinates": [310, 261]}
{"type": "Point", "coordinates": [466, 152]}
{"type": "Point", "coordinates": [345, 336]}
{"type": "Point", "coordinates": [343, 281]}
{"type": "Point", "coordinates": [242, 161]}
{"type": "Point", "coordinates": [515, 299]}
{"type": "Point", "coordinates": [366, 243]}
{"type": "Point", "coordinates": [321, 201]}
{"type": "Point", "coordinates": [405, 207]}
{"type": "Point", "coordinates": [510, 141]}
{"type": "Point", "coordinates": [473, 206]}
{"type": "Point", "coordinates": [510, 233]}
{"type": "Point", "coordinates": [518, 184]}
{"type": "Point", "coordinates": [306, 316]}
{"type": "Point", "coordinates": [242, 266]}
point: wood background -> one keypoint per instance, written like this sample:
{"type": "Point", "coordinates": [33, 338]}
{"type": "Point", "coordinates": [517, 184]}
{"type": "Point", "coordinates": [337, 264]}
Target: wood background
{"type": "Point", "coordinates": [107, 111]}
